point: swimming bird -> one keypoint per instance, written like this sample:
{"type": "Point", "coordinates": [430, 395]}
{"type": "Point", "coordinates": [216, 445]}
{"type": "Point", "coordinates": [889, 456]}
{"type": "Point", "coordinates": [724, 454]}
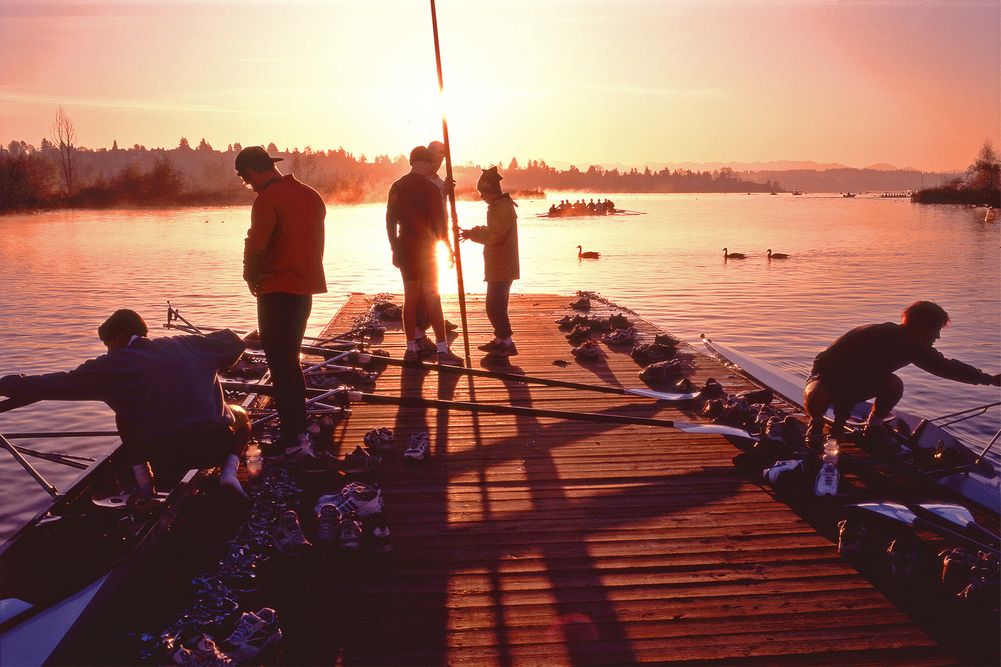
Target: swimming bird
{"type": "Point", "coordinates": [776, 255]}
{"type": "Point", "coordinates": [587, 255]}
{"type": "Point", "coordinates": [733, 255]}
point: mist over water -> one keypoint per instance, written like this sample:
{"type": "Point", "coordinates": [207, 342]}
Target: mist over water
{"type": "Point", "coordinates": [853, 261]}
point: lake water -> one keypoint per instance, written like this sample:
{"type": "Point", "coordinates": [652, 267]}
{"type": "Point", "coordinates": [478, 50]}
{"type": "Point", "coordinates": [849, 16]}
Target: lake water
{"type": "Point", "coordinates": [853, 261]}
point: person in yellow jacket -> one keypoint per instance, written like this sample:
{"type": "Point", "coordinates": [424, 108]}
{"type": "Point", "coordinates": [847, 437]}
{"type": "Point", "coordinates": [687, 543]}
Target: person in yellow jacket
{"type": "Point", "coordinates": [500, 259]}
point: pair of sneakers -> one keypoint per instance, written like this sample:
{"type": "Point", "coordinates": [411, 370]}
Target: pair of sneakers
{"type": "Point", "coordinates": [333, 527]}
{"type": "Point", "coordinates": [497, 348]}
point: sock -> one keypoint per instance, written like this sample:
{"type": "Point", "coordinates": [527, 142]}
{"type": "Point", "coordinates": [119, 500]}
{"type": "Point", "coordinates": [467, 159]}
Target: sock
{"type": "Point", "coordinates": [507, 341]}
{"type": "Point", "coordinates": [411, 346]}
{"type": "Point", "coordinates": [442, 347]}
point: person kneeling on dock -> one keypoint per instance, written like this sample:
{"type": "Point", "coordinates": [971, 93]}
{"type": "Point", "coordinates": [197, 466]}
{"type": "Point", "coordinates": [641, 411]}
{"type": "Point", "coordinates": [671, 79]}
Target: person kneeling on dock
{"type": "Point", "coordinates": [860, 365]}
{"type": "Point", "coordinates": [165, 394]}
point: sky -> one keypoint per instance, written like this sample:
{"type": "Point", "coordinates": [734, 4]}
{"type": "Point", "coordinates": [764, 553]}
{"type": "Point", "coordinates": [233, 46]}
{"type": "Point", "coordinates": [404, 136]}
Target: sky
{"type": "Point", "coordinates": [909, 83]}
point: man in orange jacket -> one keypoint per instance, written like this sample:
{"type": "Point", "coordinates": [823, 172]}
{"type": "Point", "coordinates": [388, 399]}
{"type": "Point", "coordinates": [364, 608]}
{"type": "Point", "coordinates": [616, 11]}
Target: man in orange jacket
{"type": "Point", "coordinates": [283, 267]}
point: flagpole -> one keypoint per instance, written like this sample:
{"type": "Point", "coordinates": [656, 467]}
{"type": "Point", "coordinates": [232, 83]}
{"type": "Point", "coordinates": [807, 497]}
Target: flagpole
{"type": "Point", "coordinates": [451, 191]}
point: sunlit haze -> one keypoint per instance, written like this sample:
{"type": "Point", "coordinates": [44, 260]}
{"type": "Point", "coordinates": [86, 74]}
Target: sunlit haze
{"type": "Point", "coordinates": [909, 83]}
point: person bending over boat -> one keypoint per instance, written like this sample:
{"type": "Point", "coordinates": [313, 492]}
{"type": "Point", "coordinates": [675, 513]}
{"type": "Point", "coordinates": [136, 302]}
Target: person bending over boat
{"type": "Point", "coordinates": [165, 394]}
{"type": "Point", "coordinates": [283, 267]}
{"type": "Point", "coordinates": [415, 223]}
{"type": "Point", "coordinates": [860, 365]}
{"type": "Point", "coordinates": [500, 259]}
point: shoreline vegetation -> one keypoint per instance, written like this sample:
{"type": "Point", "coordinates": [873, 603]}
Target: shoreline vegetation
{"type": "Point", "coordinates": [979, 186]}
{"type": "Point", "coordinates": [59, 174]}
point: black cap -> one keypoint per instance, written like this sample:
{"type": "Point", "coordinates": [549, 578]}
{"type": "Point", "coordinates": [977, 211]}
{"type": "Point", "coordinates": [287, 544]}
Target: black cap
{"type": "Point", "coordinates": [421, 154]}
{"type": "Point", "coordinates": [256, 158]}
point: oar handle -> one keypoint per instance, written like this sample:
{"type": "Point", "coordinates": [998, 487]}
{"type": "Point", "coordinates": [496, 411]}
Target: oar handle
{"type": "Point", "coordinates": [44, 483]}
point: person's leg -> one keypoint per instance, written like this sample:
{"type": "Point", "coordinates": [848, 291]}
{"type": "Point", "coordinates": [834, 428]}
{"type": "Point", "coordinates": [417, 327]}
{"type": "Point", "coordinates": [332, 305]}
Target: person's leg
{"type": "Point", "coordinates": [411, 296]}
{"type": "Point", "coordinates": [237, 443]}
{"type": "Point", "coordinates": [498, 296]}
{"type": "Point", "coordinates": [282, 322]}
{"type": "Point", "coordinates": [816, 399]}
{"type": "Point", "coordinates": [433, 300]}
{"type": "Point", "coordinates": [888, 394]}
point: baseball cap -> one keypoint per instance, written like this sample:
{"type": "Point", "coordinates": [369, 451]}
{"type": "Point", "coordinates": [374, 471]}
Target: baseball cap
{"type": "Point", "coordinates": [256, 158]}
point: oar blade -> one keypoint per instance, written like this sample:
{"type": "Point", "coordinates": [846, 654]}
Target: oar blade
{"type": "Point", "coordinates": [716, 429]}
{"type": "Point", "coordinates": [893, 511]}
{"type": "Point", "coordinates": [663, 396]}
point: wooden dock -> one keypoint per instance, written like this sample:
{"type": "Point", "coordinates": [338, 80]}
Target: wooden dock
{"type": "Point", "coordinates": [551, 542]}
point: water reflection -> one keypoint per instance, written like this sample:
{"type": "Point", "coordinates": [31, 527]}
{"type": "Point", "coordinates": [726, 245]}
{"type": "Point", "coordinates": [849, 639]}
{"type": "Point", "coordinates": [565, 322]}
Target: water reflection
{"type": "Point", "coordinates": [852, 261]}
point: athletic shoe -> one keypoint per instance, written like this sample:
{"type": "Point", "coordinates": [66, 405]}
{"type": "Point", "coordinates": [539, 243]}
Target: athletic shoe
{"type": "Point", "coordinates": [378, 534]}
{"type": "Point", "coordinates": [419, 448]}
{"type": "Point", "coordinates": [582, 303]}
{"type": "Point", "coordinates": [328, 523]}
{"type": "Point", "coordinates": [587, 350]}
{"type": "Point", "coordinates": [412, 355]}
{"type": "Point", "coordinates": [619, 321]}
{"type": "Point", "coordinates": [204, 653]}
{"type": "Point", "coordinates": [287, 534]}
{"type": "Point", "coordinates": [448, 358]}
{"type": "Point", "coordinates": [504, 350]}
{"type": "Point", "coordinates": [356, 498]}
{"type": "Point", "coordinates": [620, 337]}
{"type": "Point", "coordinates": [425, 348]}
{"type": "Point", "coordinates": [489, 346]}
{"type": "Point", "coordinates": [360, 462]}
{"type": "Point", "coordinates": [380, 439]}
{"type": "Point", "coordinates": [303, 449]}
{"type": "Point", "coordinates": [351, 532]}
{"type": "Point", "coordinates": [254, 634]}
{"type": "Point", "coordinates": [827, 480]}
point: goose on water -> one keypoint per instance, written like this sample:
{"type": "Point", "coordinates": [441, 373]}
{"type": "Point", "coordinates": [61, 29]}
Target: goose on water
{"type": "Point", "coordinates": [733, 255]}
{"type": "Point", "coordinates": [587, 255]}
{"type": "Point", "coordinates": [777, 255]}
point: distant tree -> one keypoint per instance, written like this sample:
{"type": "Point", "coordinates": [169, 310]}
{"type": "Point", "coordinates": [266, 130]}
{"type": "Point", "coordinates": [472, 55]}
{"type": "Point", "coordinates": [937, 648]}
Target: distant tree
{"type": "Point", "coordinates": [237, 147]}
{"type": "Point", "coordinates": [272, 149]}
{"type": "Point", "coordinates": [183, 144]}
{"type": "Point", "coordinates": [64, 136]}
{"type": "Point", "coordinates": [114, 145]}
{"type": "Point", "coordinates": [163, 182]}
{"type": "Point", "coordinates": [204, 145]}
{"type": "Point", "coordinates": [984, 175]}
{"type": "Point", "coordinates": [513, 164]}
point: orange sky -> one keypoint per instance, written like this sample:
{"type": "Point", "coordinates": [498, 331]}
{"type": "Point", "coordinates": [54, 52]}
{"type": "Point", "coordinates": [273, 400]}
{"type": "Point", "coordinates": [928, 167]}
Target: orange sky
{"type": "Point", "coordinates": [910, 83]}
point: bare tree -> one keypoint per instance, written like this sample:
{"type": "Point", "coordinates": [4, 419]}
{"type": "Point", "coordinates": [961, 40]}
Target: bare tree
{"type": "Point", "coordinates": [64, 137]}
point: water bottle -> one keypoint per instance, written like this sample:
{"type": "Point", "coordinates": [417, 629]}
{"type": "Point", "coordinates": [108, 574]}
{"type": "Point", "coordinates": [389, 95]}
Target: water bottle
{"type": "Point", "coordinates": [828, 477]}
{"type": "Point", "coordinates": [253, 458]}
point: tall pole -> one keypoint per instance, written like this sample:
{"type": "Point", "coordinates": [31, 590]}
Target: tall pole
{"type": "Point", "coordinates": [451, 191]}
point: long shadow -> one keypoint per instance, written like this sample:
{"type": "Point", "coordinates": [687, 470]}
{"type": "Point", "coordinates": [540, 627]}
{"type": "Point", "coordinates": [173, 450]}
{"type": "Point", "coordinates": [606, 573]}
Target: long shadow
{"type": "Point", "coordinates": [601, 369]}
{"type": "Point", "coordinates": [579, 624]}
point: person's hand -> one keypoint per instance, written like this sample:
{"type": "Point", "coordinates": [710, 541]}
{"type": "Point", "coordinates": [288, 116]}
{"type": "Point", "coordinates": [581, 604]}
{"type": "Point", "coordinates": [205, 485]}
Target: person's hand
{"type": "Point", "coordinates": [996, 380]}
{"type": "Point", "coordinates": [462, 234]}
{"type": "Point", "coordinates": [450, 185]}
{"type": "Point", "coordinates": [252, 286]}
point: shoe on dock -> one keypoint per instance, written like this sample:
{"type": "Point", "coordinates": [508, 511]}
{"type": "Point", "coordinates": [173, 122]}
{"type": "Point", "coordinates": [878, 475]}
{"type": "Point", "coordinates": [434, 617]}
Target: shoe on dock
{"type": "Point", "coordinates": [287, 534]}
{"type": "Point", "coordinates": [449, 358]}
{"type": "Point", "coordinates": [328, 524]}
{"type": "Point", "coordinates": [359, 462]}
{"type": "Point", "coordinates": [504, 350]}
{"type": "Point", "coordinates": [425, 348]}
{"type": "Point", "coordinates": [254, 633]}
{"type": "Point", "coordinates": [380, 439]}
{"type": "Point", "coordinates": [418, 449]}
{"type": "Point", "coordinates": [303, 449]}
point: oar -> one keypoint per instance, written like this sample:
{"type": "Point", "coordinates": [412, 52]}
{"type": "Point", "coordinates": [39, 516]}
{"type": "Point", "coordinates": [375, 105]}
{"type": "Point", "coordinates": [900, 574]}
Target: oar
{"type": "Point", "coordinates": [63, 434]}
{"type": "Point", "coordinates": [44, 483]}
{"type": "Point", "coordinates": [364, 358]}
{"type": "Point", "coordinates": [349, 396]}
{"type": "Point", "coordinates": [907, 516]}
{"type": "Point", "coordinates": [13, 403]}
{"type": "Point", "coordinates": [63, 459]}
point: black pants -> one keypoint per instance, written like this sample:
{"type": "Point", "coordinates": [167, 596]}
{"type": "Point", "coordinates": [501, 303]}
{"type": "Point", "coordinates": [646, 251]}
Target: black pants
{"type": "Point", "coordinates": [281, 319]}
{"type": "Point", "coordinates": [498, 295]}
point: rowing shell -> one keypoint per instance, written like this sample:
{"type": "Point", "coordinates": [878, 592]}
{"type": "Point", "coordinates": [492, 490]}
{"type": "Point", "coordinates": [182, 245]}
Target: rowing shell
{"type": "Point", "coordinates": [981, 486]}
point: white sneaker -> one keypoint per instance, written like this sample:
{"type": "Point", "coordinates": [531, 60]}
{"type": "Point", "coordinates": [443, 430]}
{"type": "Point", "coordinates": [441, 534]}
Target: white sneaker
{"type": "Point", "coordinates": [419, 447]}
{"type": "Point", "coordinates": [827, 480]}
{"type": "Point", "coordinates": [253, 634]}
